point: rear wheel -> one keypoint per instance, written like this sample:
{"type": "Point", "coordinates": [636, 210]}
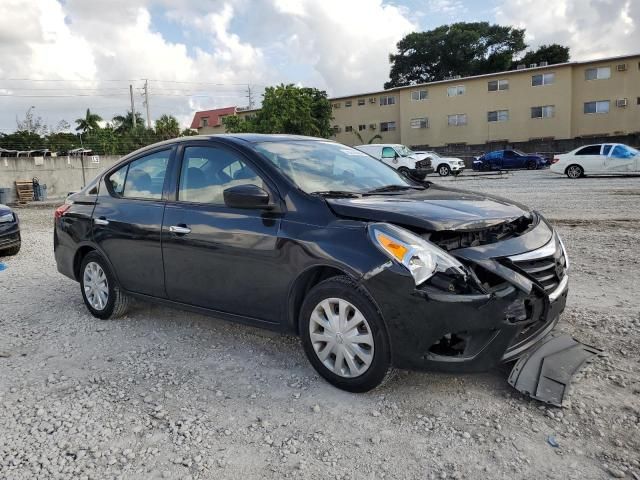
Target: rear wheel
{"type": "Point", "coordinates": [532, 165]}
{"type": "Point", "coordinates": [574, 171]}
{"type": "Point", "coordinates": [444, 170]}
{"type": "Point", "coordinates": [343, 335]}
{"type": "Point", "coordinates": [102, 295]}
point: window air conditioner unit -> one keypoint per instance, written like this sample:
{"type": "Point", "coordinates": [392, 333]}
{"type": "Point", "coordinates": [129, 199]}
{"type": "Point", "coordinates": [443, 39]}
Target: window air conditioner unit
{"type": "Point", "coordinates": [544, 64]}
{"type": "Point", "coordinates": [372, 126]}
{"type": "Point", "coordinates": [621, 103]}
{"type": "Point", "coordinates": [521, 66]}
{"type": "Point", "coordinates": [533, 65]}
{"type": "Point", "coordinates": [457, 76]}
{"type": "Point", "coordinates": [621, 67]}
{"type": "Point", "coordinates": [372, 100]}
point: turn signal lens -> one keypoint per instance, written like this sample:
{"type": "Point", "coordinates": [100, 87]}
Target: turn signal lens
{"type": "Point", "coordinates": [395, 249]}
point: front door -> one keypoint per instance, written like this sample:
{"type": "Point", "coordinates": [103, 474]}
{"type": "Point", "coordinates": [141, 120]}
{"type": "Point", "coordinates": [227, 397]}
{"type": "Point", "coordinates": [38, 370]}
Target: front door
{"type": "Point", "coordinates": [621, 160]}
{"type": "Point", "coordinates": [127, 221]}
{"type": "Point", "coordinates": [217, 257]}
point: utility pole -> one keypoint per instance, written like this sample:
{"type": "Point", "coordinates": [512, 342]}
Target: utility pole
{"type": "Point", "coordinates": [146, 101]}
{"type": "Point", "coordinates": [250, 96]}
{"type": "Point", "coordinates": [133, 110]}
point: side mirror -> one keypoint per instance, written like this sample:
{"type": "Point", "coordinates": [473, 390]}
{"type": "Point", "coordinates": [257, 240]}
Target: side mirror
{"type": "Point", "coordinates": [247, 196]}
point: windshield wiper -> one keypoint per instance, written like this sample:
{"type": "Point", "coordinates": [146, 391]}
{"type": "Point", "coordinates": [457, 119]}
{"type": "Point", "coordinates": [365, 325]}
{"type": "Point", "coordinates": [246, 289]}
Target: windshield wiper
{"type": "Point", "coordinates": [395, 188]}
{"type": "Point", "coordinates": [336, 193]}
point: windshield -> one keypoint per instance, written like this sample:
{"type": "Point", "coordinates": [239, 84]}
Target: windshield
{"type": "Point", "coordinates": [317, 166]}
{"type": "Point", "coordinates": [404, 151]}
{"type": "Point", "coordinates": [432, 154]}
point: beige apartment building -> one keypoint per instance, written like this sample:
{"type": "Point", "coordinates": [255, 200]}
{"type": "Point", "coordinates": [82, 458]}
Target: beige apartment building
{"type": "Point", "coordinates": [576, 99]}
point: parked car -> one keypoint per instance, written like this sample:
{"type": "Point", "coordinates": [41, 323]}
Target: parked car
{"type": "Point", "coordinates": [602, 159]}
{"type": "Point", "coordinates": [307, 236]}
{"type": "Point", "coordinates": [508, 159]}
{"type": "Point", "coordinates": [400, 157]}
{"type": "Point", "coordinates": [10, 240]}
{"type": "Point", "coordinates": [445, 166]}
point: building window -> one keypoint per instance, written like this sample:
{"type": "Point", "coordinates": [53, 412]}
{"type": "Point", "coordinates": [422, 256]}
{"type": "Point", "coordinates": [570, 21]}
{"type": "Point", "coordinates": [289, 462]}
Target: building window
{"type": "Point", "coordinates": [361, 102]}
{"type": "Point", "coordinates": [421, 122]}
{"type": "Point", "coordinates": [388, 100]}
{"type": "Point", "coordinates": [204, 122]}
{"type": "Point", "coordinates": [455, 91]}
{"type": "Point", "coordinates": [418, 95]}
{"type": "Point", "coordinates": [543, 79]}
{"type": "Point", "coordinates": [498, 116]}
{"type": "Point", "coordinates": [362, 127]}
{"type": "Point", "coordinates": [600, 73]}
{"type": "Point", "coordinates": [336, 105]}
{"type": "Point", "coordinates": [347, 103]}
{"type": "Point", "coordinates": [336, 129]}
{"type": "Point", "coordinates": [545, 111]}
{"type": "Point", "coordinates": [495, 85]}
{"type": "Point", "coordinates": [387, 126]}
{"type": "Point", "coordinates": [601, 106]}
{"type": "Point", "coordinates": [348, 129]}
{"type": "Point", "coordinates": [457, 120]}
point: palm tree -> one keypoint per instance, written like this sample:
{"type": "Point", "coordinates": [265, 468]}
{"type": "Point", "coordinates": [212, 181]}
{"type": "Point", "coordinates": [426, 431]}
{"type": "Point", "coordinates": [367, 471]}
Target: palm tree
{"type": "Point", "coordinates": [123, 123]}
{"type": "Point", "coordinates": [89, 122]}
{"type": "Point", "coordinates": [371, 140]}
{"type": "Point", "coordinates": [167, 127]}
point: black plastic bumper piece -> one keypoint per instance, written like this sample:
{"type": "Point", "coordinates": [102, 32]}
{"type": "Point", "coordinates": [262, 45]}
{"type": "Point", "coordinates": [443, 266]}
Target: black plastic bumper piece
{"type": "Point", "coordinates": [545, 372]}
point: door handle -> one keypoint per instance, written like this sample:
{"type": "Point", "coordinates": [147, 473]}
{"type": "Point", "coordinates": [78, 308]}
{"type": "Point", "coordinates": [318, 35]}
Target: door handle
{"type": "Point", "coordinates": [101, 221]}
{"type": "Point", "coordinates": [179, 229]}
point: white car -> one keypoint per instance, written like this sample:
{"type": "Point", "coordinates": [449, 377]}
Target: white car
{"type": "Point", "coordinates": [599, 159]}
{"type": "Point", "coordinates": [401, 158]}
{"type": "Point", "coordinates": [445, 166]}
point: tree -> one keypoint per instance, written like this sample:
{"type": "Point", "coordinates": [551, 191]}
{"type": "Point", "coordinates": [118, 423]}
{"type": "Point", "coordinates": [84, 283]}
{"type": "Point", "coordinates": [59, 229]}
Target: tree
{"type": "Point", "coordinates": [457, 49]}
{"type": "Point", "coordinates": [552, 54]}
{"type": "Point", "coordinates": [123, 123]}
{"type": "Point", "coordinates": [371, 140]}
{"type": "Point", "coordinates": [31, 123]}
{"type": "Point", "coordinates": [287, 109]}
{"type": "Point", "coordinates": [188, 132]}
{"type": "Point", "coordinates": [167, 127]}
{"type": "Point", "coordinates": [89, 122]}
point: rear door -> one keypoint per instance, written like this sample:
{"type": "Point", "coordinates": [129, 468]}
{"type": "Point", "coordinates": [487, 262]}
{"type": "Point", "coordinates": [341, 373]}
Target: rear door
{"type": "Point", "coordinates": [217, 257]}
{"type": "Point", "coordinates": [620, 160]}
{"type": "Point", "coordinates": [590, 158]}
{"type": "Point", "coordinates": [127, 221]}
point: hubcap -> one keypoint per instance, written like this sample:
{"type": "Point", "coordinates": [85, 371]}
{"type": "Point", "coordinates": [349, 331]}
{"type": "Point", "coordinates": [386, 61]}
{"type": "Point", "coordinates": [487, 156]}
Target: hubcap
{"type": "Point", "coordinates": [341, 337]}
{"type": "Point", "coordinates": [574, 172]}
{"type": "Point", "coordinates": [443, 171]}
{"type": "Point", "coordinates": [96, 286]}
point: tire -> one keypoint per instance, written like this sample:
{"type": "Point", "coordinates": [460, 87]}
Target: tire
{"type": "Point", "coordinates": [100, 291]}
{"type": "Point", "coordinates": [10, 252]}
{"type": "Point", "coordinates": [485, 167]}
{"type": "Point", "coordinates": [366, 364]}
{"type": "Point", "coordinates": [532, 165]}
{"type": "Point", "coordinates": [404, 171]}
{"type": "Point", "coordinates": [574, 171]}
{"type": "Point", "coordinates": [444, 170]}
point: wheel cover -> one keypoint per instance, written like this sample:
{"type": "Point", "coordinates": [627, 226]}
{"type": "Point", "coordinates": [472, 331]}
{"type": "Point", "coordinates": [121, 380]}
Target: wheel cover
{"type": "Point", "coordinates": [443, 171]}
{"type": "Point", "coordinates": [96, 286]}
{"type": "Point", "coordinates": [574, 172]}
{"type": "Point", "coordinates": [341, 337]}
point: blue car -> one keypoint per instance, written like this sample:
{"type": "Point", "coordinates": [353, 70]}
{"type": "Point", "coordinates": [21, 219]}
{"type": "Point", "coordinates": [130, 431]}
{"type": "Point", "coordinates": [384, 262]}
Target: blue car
{"type": "Point", "coordinates": [9, 232]}
{"type": "Point", "coordinates": [509, 159]}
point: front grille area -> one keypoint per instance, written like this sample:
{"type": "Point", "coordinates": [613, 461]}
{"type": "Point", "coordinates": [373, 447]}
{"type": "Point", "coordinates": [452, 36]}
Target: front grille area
{"type": "Point", "coordinates": [548, 271]}
{"type": "Point", "coordinates": [423, 164]}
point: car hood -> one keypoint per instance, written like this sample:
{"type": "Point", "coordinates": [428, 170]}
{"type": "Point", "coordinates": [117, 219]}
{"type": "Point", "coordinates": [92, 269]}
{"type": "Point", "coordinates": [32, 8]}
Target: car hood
{"type": "Point", "coordinates": [433, 209]}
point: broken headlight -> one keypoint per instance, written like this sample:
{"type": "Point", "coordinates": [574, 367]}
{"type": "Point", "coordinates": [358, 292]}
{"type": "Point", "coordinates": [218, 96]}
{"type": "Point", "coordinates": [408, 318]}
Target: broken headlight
{"type": "Point", "coordinates": [422, 258]}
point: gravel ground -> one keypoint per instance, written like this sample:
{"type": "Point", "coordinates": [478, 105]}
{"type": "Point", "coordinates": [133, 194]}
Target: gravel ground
{"type": "Point", "coordinates": [168, 394]}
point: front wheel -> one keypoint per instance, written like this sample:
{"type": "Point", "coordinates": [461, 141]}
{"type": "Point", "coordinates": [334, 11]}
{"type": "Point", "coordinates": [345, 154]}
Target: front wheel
{"type": "Point", "coordinates": [10, 252]}
{"type": "Point", "coordinates": [575, 171]}
{"type": "Point", "coordinates": [343, 335]}
{"type": "Point", "coordinates": [444, 170]}
{"type": "Point", "coordinates": [102, 295]}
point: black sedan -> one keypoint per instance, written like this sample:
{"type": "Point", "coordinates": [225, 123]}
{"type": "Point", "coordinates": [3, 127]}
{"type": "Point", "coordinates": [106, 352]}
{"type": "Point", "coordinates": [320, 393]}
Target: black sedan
{"type": "Point", "coordinates": [311, 237]}
{"type": "Point", "coordinates": [10, 241]}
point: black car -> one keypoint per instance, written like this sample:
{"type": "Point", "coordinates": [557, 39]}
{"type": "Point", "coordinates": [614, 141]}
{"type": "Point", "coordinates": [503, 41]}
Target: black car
{"type": "Point", "coordinates": [10, 241]}
{"type": "Point", "coordinates": [311, 237]}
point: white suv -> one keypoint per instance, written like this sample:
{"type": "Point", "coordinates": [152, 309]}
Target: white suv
{"type": "Point", "coordinates": [403, 159]}
{"type": "Point", "coordinates": [445, 166]}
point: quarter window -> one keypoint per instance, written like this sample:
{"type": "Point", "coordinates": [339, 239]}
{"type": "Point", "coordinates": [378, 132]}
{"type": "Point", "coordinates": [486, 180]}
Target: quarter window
{"type": "Point", "coordinates": [455, 91]}
{"type": "Point", "coordinates": [418, 95]}
{"type": "Point", "coordinates": [496, 85]}
{"type": "Point", "coordinates": [457, 120]}
{"type": "Point", "coordinates": [543, 79]}
{"type": "Point", "coordinates": [498, 116]}
{"type": "Point", "coordinates": [600, 73]}
{"type": "Point", "coordinates": [388, 100]}
{"type": "Point", "coordinates": [142, 178]}
{"type": "Point", "coordinates": [387, 126]}
{"type": "Point", "coordinates": [421, 122]}
{"type": "Point", "coordinates": [545, 111]}
{"type": "Point", "coordinates": [208, 171]}
{"type": "Point", "coordinates": [601, 106]}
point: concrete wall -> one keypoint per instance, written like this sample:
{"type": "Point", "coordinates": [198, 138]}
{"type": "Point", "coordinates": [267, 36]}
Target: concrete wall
{"type": "Point", "coordinates": [61, 174]}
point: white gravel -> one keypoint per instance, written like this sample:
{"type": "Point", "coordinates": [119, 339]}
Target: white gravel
{"type": "Point", "coordinates": [168, 394]}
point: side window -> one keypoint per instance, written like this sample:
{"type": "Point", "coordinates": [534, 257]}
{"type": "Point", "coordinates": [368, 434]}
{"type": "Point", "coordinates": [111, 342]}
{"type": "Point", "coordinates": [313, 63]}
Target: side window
{"type": "Point", "coordinates": [388, 152]}
{"type": "Point", "coordinates": [145, 177]}
{"type": "Point", "coordinates": [590, 150]}
{"type": "Point", "coordinates": [620, 152]}
{"type": "Point", "coordinates": [117, 179]}
{"type": "Point", "coordinates": [208, 171]}
{"type": "Point", "coordinates": [606, 149]}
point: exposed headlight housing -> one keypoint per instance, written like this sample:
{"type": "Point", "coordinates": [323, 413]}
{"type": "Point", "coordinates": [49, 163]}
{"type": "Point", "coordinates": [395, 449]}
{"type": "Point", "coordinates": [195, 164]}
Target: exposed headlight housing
{"type": "Point", "coordinates": [564, 252]}
{"type": "Point", "coordinates": [423, 259]}
{"type": "Point", "coordinates": [7, 217]}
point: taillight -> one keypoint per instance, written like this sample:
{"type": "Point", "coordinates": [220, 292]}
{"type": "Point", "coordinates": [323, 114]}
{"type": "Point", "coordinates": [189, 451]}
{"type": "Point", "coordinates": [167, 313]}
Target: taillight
{"type": "Point", "coordinates": [555, 160]}
{"type": "Point", "coordinates": [61, 210]}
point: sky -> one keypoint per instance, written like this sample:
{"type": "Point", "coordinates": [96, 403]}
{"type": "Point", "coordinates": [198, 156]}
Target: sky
{"type": "Point", "coordinates": [60, 57]}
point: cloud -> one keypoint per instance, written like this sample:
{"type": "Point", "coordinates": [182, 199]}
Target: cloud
{"type": "Point", "coordinates": [592, 29]}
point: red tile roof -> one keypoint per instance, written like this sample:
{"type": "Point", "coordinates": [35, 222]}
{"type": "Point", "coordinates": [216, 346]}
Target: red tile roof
{"type": "Point", "coordinates": [213, 116]}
